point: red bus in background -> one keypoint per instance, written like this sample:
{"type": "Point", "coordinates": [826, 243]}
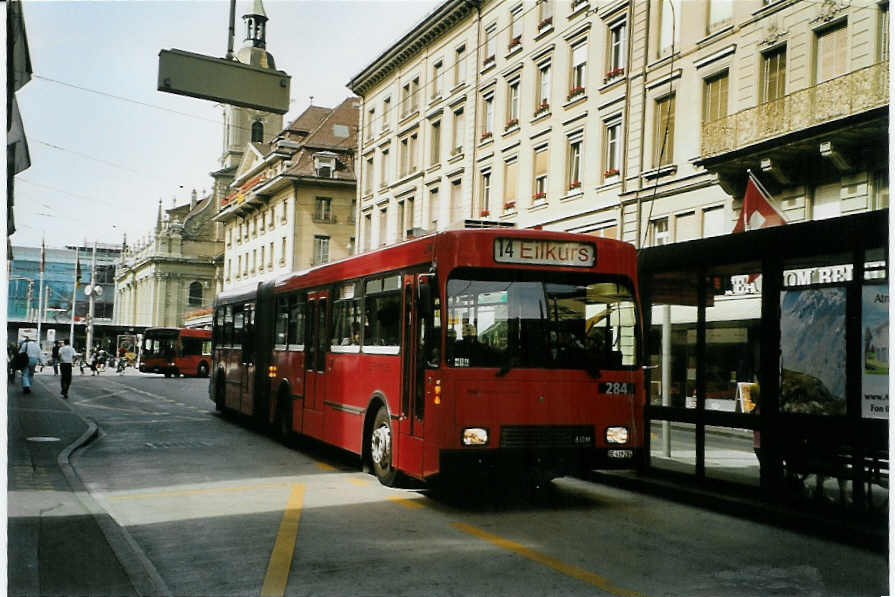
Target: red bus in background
{"type": "Point", "coordinates": [176, 351]}
{"type": "Point", "coordinates": [468, 350]}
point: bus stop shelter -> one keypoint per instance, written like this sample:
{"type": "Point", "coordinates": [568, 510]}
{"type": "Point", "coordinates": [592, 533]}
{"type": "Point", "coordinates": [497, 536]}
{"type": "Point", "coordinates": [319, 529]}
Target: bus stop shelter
{"type": "Point", "coordinates": [767, 362]}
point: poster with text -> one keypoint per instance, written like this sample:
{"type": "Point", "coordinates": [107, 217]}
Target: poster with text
{"type": "Point", "coordinates": [875, 352]}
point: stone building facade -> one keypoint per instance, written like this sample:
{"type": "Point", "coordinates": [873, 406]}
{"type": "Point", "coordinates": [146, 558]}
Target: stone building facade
{"type": "Point", "coordinates": [291, 203]}
{"type": "Point", "coordinates": [631, 119]}
{"type": "Point", "coordinates": [163, 278]}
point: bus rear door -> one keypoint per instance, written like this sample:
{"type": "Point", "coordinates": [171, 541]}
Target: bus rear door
{"type": "Point", "coordinates": [410, 452]}
{"type": "Point", "coordinates": [315, 362]}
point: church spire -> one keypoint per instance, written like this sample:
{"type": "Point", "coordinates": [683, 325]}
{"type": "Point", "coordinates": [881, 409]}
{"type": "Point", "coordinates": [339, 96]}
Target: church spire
{"type": "Point", "coordinates": [256, 23]}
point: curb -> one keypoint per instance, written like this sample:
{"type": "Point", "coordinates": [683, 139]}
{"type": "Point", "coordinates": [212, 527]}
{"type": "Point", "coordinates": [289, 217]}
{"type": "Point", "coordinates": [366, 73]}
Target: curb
{"type": "Point", "coordinates": [140, 570]}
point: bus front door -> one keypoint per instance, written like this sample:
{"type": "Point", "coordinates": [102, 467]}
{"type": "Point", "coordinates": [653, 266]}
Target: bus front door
{"type": "Point", "coordinates": [315, 362]}
{"type": "Point", "coordinates": [410, 453]}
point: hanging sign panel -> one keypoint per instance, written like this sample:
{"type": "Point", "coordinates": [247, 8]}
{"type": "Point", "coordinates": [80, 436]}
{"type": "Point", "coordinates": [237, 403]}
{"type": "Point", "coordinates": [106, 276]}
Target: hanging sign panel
{"type": "Point", "coordinates": [875, 351]}
{"type": "Point", "coordinates": [544, 252]}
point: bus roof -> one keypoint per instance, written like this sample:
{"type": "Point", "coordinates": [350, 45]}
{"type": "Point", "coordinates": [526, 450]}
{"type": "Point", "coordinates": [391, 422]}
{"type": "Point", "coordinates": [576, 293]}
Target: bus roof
{"type": "Point", "coordinates": [449, 250]}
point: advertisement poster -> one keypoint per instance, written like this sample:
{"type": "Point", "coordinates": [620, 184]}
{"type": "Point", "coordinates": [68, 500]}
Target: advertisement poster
{"type": "Point", "coordinates": [875, 352]}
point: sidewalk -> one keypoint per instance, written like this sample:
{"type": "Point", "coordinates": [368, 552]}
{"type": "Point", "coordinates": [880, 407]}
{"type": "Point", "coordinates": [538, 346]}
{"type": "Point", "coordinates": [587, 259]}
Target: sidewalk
{"type": "Point", "coordinates": [60, 542]}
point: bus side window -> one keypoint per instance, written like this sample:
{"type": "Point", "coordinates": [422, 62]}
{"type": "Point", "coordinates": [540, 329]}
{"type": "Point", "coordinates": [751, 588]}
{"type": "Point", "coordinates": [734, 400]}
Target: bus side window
{"type": "Point", "coordinates": [296, 336]}
{"type": "Point", "coordinates": [310, 346]}
{"type": "Point", "coordinates": [248, 338]}
{"type": "Point", "coordinates": [228, 325]}
{"type": "Point", "coordinates": [282, 322]}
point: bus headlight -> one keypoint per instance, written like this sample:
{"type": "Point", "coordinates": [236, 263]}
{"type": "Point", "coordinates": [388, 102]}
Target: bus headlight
{"type": "Point", "coordinates": [616, 435]}
{"type": "Point", "coordinates": [475, 436]}
{"type": "Point", "coordinates": [272, 371]}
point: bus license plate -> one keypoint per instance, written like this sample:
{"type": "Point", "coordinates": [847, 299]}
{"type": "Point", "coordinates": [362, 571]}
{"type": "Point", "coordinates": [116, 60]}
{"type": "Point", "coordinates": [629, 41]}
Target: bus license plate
{"type": "Point", "coordinates": [621, 453]}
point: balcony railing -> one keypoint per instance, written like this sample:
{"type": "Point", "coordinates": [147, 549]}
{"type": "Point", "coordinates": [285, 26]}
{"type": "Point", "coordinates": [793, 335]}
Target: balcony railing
{"type": "Point", "coordinates": [837, 98]}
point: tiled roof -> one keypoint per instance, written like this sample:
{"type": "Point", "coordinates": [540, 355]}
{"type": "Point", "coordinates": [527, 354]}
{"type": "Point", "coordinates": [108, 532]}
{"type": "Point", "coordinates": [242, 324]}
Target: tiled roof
{"type": "Point", "coordinates": [308, 120]}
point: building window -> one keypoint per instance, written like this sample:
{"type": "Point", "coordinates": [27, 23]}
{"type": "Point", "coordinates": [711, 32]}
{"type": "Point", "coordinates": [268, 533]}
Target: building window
{"type": "Point", "coordinates": [434, 208]}
{"type": "Point", "coordinates": [368, 231]}
{"type": "Point", "coordinates": [577, 80]}
{"type": "Point", "coordinates": [405, 100]}
{"type": "Point", "coordinates": [663, 132]}
{"type": "Point", "coordinates": [686, 227]}
{"type": "Point", "coordinates": [460, 65]}
{"type": "Point", "coordinates": [437, 76]}
{"type": "Point", "coordinates": [545, 17]}
{"type": "Point", "coordinates": [457, 141]}
{"type": "Point", "coordinates": [283, 217]}
{"type": "Point", "coordinates": [321, 249]}
{"type": "Point", "coordinates": [383, 177]}
{"type": "Point", "coordinates": [513, 104]}
{"type": "Point", "coordinates": [485, 198]}
{"type": "Point", "coordinates": [386, 111]}
{"type": "Point", "coordinates": [713, 222]}
{"type": "Point", "coordinates": [670, 28]}
{"type": "Point", "coordinates": [606, 231]}
{"type": "Point", "coordinates": [832, 53]}
{"type": "Point", "coordinates": [270, 255]}
{"type": "Point", "coordinates": [542, 159]}
{"type": "Point", "coordinates": [617, 56]}
{"type": "Point", "coordinates": [283, 251]}
{"type": "Point", "coordinates": [261, 264]}
{"type": "Point", "coordinates": [714, 104]}
{"type": "Point", "coordinates": [574, 164]}
{"type": "Point", "coordinates": [257, 132]}
{"type": "Point", "coordinates": [368, 176]}
{"type": "Point", "coordinates": [194, 298]}
{"type": "Point", "coordinates": [515, 27]}
{"type": "Point", "coordinates": [229, 268]}
{"type": "Point", "coordinates": [254, 259]}
{"type": "Point", "coordinates": [404, 157]}
{"type": "Point", "coordinates": [543, 100]}
{"type": "Point", "coordinates": [720, 12]}
{"type": "Point", "coordinates": [883, 53]}
{"type": "Point", "coordinates": [323, 209]}
{"type": "Point", "coordinates": [370, 118]}
{"type": "Point", "coordinates": [383, 223]}
{"type": "Point", "coordinates": [659, 234]}
{"type": "Point", "coordinates": [490, 41]}
{"type": "Point", "coordinates": [411, 215]}
{"type": "Point", "coordinates": [510, 184]}
{"type": "Point", "coordinates": [402, 226]}
{"type": "Point", "coordinates": [773, 74]}
{"type": "Point", "coordinates": [456, 196]}
{"type": "Point", "coordinates": [487, 117]}
{"type": "Point", "coordinates": [436, 143]}
{"type": "Point", "coordinates": [612, 162]}
{"type": "Point", "coordinates": [270, 221]}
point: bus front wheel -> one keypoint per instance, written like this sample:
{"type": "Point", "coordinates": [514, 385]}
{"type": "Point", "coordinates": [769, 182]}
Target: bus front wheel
{"type": "Point", "coordinates": [381, 449]}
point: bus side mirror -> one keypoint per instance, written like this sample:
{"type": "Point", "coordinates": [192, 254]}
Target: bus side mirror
{"type": "Point", "coordinates": [424, 285]}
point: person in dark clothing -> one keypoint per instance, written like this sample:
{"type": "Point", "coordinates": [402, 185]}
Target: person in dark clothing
{"type": "Point", "coordinates": [66, 360]}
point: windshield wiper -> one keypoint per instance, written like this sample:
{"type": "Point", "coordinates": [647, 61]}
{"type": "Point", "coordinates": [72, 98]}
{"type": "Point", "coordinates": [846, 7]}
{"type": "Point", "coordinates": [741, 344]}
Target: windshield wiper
{"type": "Point", "coordinates": [505, 368]}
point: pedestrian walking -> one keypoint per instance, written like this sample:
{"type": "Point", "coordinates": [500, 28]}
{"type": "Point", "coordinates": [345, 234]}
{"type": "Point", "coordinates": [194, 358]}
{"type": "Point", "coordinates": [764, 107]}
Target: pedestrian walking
{"type": "Point", "coordinates": [55, 357]}
{"type": "Point", "coordinates": [66, 361]}
{"type": "Point", "coordinates": [32, 350]}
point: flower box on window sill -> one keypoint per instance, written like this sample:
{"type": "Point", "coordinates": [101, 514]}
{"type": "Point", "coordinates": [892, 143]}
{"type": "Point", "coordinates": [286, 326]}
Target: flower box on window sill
{"type": "Point", "coordinates": [616, 72]}
{"type": "Point", "coordinates": [485, 136]}
{"type": "Point", "coordinates": [484, 213]}
{"type": "Point", "coordinates": [545, 23]}
{"type": "Point", "coordinates": [538, 197]}
{"type": "Point", "coordinates": [610, 173]}
{"type": "Point", "coordinates": [509, 206]}
{"type": "Point", "coordinates": [542, 109]}
{"type": "Point", "coordinates": [574, 185]}
{"type": "Point", "coordinates": [575, 92]}
{"type": "Point", "coordinates": [489, 60]}
{"type": "Point", "coordinates": [514, 42]}
{"type": "Point", "coordinates": [511, 124]}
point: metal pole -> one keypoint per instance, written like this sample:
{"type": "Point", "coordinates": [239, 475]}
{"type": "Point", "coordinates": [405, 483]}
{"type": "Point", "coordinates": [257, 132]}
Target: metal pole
{"type": "Point", "coordinates": [40, 296]}
{"type": "Point", "coordinates": [74, 300]}
{"type": "Point", "coordinates": [666, 376]}
{"type": "Point", "coordinates": [91, 308]}
{"type": "Point", "coordinates": [232, 32]}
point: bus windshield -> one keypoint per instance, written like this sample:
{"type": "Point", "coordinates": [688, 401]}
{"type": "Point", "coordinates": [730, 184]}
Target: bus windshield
{"type": "Point", "coordinates": [582, 322]}
{"type": "Point", "coordinates": [160, 345]}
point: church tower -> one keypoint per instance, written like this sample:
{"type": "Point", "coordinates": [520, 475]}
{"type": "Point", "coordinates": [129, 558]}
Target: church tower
{"type": "Point", "coordinates": [245, 125]}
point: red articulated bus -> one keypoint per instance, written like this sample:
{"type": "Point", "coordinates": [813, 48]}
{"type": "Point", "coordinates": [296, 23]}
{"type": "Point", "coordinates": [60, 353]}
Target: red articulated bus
{"type": "Point", "coordinates": [176, 351]}
{"type": "Point", "coordinates": [469, 350]}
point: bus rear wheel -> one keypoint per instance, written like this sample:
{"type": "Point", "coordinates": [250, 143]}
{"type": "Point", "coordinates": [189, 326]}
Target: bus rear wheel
{"type": "Point", "coordinates": [381, 449]}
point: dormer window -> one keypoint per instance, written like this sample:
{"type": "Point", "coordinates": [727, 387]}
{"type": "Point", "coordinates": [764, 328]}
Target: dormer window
{"type": "Point", "coordinates": [325, 164]}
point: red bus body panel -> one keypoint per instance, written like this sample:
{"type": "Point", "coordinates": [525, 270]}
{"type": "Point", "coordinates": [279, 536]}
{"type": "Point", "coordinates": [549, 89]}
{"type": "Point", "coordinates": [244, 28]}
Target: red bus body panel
{"type": "Point", "coordinates": [188, 364]}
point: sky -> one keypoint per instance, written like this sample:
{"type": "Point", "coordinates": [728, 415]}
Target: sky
{"type": "Point", "coordinates": [105, 145]}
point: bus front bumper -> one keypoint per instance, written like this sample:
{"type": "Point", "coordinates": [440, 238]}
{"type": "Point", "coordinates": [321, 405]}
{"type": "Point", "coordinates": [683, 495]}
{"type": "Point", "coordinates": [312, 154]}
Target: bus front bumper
{"type": "Point", "coordinates": [539, 463]}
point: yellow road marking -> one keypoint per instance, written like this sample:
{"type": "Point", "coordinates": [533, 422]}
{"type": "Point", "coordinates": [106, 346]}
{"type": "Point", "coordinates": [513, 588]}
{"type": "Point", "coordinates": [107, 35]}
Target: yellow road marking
{"type": "Point", "coordinates": [142, 496]}
{"type": "Point", "coordinates": [518, 549]}
{"type": "Point", "coordinates": [359, 482]}
{"type": "Point", "coordinates": [326, 467]}
{"type": "Point", "coordinates": [281, 557]}
{"type": "Point", "coordinates": [405, 502]}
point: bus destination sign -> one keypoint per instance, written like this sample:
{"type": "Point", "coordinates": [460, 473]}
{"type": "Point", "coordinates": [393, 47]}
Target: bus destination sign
{"type": "Point", "coordinates": [544, 252]}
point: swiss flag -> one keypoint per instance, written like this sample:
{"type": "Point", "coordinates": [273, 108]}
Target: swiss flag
{"type": "Point", "coordinates": [758, 209]}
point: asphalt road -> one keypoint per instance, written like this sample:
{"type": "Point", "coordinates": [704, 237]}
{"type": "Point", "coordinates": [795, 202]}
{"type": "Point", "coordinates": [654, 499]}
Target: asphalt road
{"type": "Point", "coordinates": [219, 508]}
